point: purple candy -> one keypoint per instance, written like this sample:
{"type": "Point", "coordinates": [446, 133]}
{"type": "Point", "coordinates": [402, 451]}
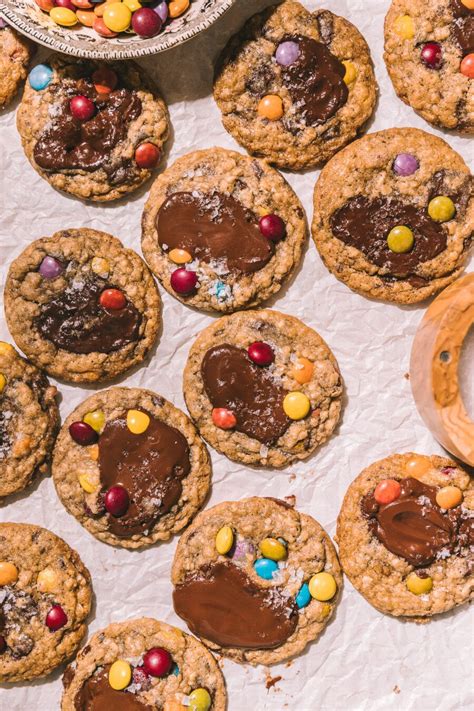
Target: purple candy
{"type": "Point", "coordinates": [405, 164]}
{"type": "Point", "coordinates": [50, 268]}
{"type": "Point", "coordinates": [162, 11]}
{"type": "Point", "coordinates": [242, 549]}
{"type": "Point", "coordinates": [287, 53]}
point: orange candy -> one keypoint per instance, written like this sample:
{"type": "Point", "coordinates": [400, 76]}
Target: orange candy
{"type": "Point", "coordinates": [303, 371]}
{"type": "Point", "coordinates": [223, 418]}
{"type": "Point", "coordinates": [468, 3]}
{"type": "Point", "coordinates": [270, 107]}
{"type": "Point", "coordinates": [85, 17]}
{"type": "Point", "coordinates": [387, 491]}
{"type": "Point", "coordinates": [448, 497]}
{"type": "Point", "coordinates": [105, 80]}
{"type": "Point", "coordinates": [417, 466]}
{"type": "Point", "coordinates": [467, 66]}
{"type": "Point", "coordinates": [82, 4]}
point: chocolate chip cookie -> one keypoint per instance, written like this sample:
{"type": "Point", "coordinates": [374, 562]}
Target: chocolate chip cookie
{"type": "Point", "coordinates": [92, 130]}
{"type": "Point", "coordinates": [15, 55]}
{"type": "Point", "coordinates": [406, 534]}
{"type": "Point", "coordinates": [140, 665]}
{"type": "Point", "coordinates": [222, 231]}
{"type": "Point", "coordinates": [256, 580]}
{"type": "Point", "coordinates": [81, 306]}
{"type": "Point", "coordinates": [130, 467]}
{"type": "Point", "coordinates": [429, 53]}
{"type": "Point", "coordinates": [29, 421]}
{"type": "Point", "coordinates": [295, 86]}
{"type": "Point", "coordinates": [45, 598]}
{"type": "Point", "coordinates": [263, 388]}
{"type": "Point", "coordinates": [394, 215]}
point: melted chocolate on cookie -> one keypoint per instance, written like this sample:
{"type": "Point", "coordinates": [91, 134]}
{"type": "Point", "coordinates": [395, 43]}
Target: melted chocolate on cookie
{"type": "Point", "coordinates": [463, 26]}
{"type": "Point", "coordinates": [96, 694]}
{"type": "Point", "coordinates": [365, 224]}
{"type": "Point", "coordinates": [76, 322]}
{"type": "Point", "coordinates": [221, 603]}
{"type": "Point", "coordinates": [150, 466]}
{"type": "Point", "coordinates": [232, 381]}
{"type": "Point", "coordinates": [315, 81]}
{"type": "Point", "coordinates": [414, 527]}
{"type": "Point", "coordinates": [212, 227]}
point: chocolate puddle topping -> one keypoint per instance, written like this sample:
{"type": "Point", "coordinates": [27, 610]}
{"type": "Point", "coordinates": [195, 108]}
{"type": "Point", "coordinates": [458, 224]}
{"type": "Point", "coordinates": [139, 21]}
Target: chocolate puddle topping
{"type": "Point", "coordinates": [150, 466]}
{"type": "Point", "coordinates": [463, 26]}
{"type": "Point", "coordinates": [365, 224]}
{"type": "Point", "coordinates": [212, 227]}
{"type": "Point", "coordinates": [76, 322]}
{"type": "Point", "coordinates": [232, 381]}
{"type": "Point", "coordinates": [414, 527]}
{"type": "Point", "coordinates": [315, 81]}
{"type": "Point", "coordinates": [96, 694]}
{"type": "Point", "coordinates": [222, 604]}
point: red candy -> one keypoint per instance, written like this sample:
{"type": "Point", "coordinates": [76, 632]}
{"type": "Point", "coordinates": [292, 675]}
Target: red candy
{"type": "Point", "coordinates": [101, 28]}
{"type": "Point", "coordinates": [82, 108]}
{"type": "Point", "coordinates": [223, 418]}
{"type": "Point", "coordinates": [432, 55]}
{"type": "Point", "coordinates": [56, 618]}
{"type": "Point", "coordinates": [117, 501]}
{"type": "Point", "coordinates": [261, 353]}
{"type": "Point", "coordinates": [387, 491]}
{"type": "Point", "coordinates": [157, 662]}
{"type": "Point", "coordinates": [272, 227]}
{"type": "Point", "coordinates": [183, 281]}
{"type": "Point", "coordinates": [147, 155]}
{"type": "Point", "coordinates": [146, 22]}
{"type": "Point", "coordinates": [65, 3]}
{"type": "Point", "coordinates": [82, 433]}
{"type": "Point", "coordinates": [112, 299]}
{"type": "Point", "coordinates": [105, 80]}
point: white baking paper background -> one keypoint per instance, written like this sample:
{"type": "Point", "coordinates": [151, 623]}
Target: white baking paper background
{"type": "Point", "coordinates": [364, 660]}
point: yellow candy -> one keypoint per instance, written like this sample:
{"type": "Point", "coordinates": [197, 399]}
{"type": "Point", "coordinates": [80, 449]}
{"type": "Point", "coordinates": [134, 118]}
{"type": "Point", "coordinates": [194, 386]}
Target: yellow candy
{"type": "Point", "coordinates": [296, 405]}
{"type": "Point", "coordinates": [95, 419]}
{"type": "Point", "coordinates": [441, 209]}
{"type": "Point", "coordinates": [177, 7]}
{"type": "Point", "coordinates": [3, 381]}
{"type": "Point", "coordinates": [8, 573]}
{"type": "Point", "coordinates": [47, 580]}
{"type": "Point", "coordinates": [63, 16]}
{"type": "Point", "coordinates": [448, 497]}
{"type": "Point", "coordinates": [303, 371]}
{"type": "Point", "coordinates": [133, 4]}
{"type": "Point", "coordinates": [199, 700]}
{"type": "Point", "coordinates": [401, 239]}
{"type": "Point", "coordinates": [322, 586]}
{"type": "Point", "coordinates": [351, 72]}
{"type": "Point", "coordinates": [86, 484]}
{"type": "Point", "coordinates": [180, 256]}
{"type": "Point", "coordinates": [418, 586]}
{"type": "Point", "coordinates": [94, 452]}
{"type": "Point", "coordinates": [6, 348]}
{"type": "Point", "coordinates": [270, 107]}
{"type": "Point", "coordinates": [100, 266]}
{"type": "Point", "coordinates": [405, 27]}
{"type": "Point", "coordinates": [137, 421]}
{"type": "Point", "coordinates": [417, 466]}
{"type": "Point", "coordinates": [117, 16]}
{"type": "Point", "coordinates": [120, 675]}
{"type": "Point", "coordinates": [224, 540]}
{"type": "Point", "coordinates": [273, 549]}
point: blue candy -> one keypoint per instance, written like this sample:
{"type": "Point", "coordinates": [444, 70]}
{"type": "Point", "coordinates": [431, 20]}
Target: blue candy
{"type": "Point", "coordinates": [175, 670]}
{"type": "Point", "coordinates": [40, 76]}
{"type": "Point", "coordinates": [265, 568]}
{"type": "Point", "coordinates": [304, 596]}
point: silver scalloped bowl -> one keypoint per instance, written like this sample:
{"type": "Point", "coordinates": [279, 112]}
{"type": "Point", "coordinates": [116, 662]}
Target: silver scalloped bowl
{"type": "Point", "coordinates": [27, 18]}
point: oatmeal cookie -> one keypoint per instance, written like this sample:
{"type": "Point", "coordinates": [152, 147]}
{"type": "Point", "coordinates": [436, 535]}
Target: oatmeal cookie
{"type": "Point", "coordinates": [82, 306]}
{"type": "Point", "coordinates": [15, 54]}
{"type": "Point", "coordinates": [394, 215]}
{"type": "Point", "coordinates": [228, 224]}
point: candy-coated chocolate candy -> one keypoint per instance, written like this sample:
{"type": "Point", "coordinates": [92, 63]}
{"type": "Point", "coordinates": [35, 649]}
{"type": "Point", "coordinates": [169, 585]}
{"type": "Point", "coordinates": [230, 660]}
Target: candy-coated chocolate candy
{"type": "Point", "coordinates": [302, 371]}
{"type": "Point", "coordinates": [133, 5]}
{"type": "Point", "coordinates": [175, 670]}
{"type": "Point", "coordinates": [96, 419]}
{"type": "Point", "coordinates": [199, 700]}
{"type": "Point", "coordinates": [416, 466]}
{"type": "Point", "coordinates": [82, 4]}
{"type": "Point", "coordinates": [468, 3]}
{"type": "Point", "coordinates": [100, 27]}
{"type": "Point", "coordinates": [387, 491]}
{"type": "Point", "coordinates": [82, 433]}
{"type": "Point", "coordinates": [117, 501]}
{"type": "Point", "coordinates": [400, 239]}
{"type": "Point", "coordinates": [65, 3]}
{"type": "Point", "coordinates": [183, 281]}
{"type": "Point", "coordinates": [85, 17]}
{"type": "Point", "coordinates": [405, 27]}
{"type": "Point", "coordinates": [63, 16]}
{"type": "Point", "coordinates": [93, 452]}
{"type": "Point", "coordinates": [322, 586]}
{"type": "Point", "coordinates": [40, 76]}
{"type": "Point", "coordinates": [8, 573]}
{"type": "Point", "coordinates": [100, 266]}
{"type": "Point", "coordinates": [82, 108]}
{"type": "Point", "coordinates": [432, 55]}
{"type": "Point", "coordinates": [467, 66]}
{"type": "Point", "coordinates": [105, 80]}
{"type": "Point", "coordinates": [304, 596]}
{"type": "Point", "coordinates": [177, 7]}
{"type": "Point", "coordinates": [6, 349]}
{"type": "Point", "coordinates": [117, 16]}
{"type": "Point", "coordinates": [120, 675]}
{"type": "Point", "coordinates": [157, 662]}
{"type": "Point", "coordinates": [50, 268]}
{"type": "Point", "coordinates": [146, 23]}
{"type": "Point", "coordinates": [441, 209]}
{"type": "Point", "coordinates": [3, 382]}
{"type": "Point", "coordinates": [224, 540]}
{"type": "Point", "coordinates": [45, 5]}
{"type": "Point", "coordinates": [86, 484]}
{"type": "Point", "coordinates": [351, 72]}
{"type": "Point", "coordinates": [47, 580]}
{"type": "Point", "coordinates": [223, 418]}
{"type": "Point", "coordinates": [265, 568]}
{"type": "Point", "coordinates": [180, 256]}
{"type": "Point", "coordinates": [147, 155]}
{"type": "Point", "coordinates": [418, 585]}
{"type": "Point", "coordinates": [270, 107]}
{"type": "Point", "coordinates": [287, 53]}
{"type": "Point", "coordinates": [56, 618]}
{"type": "Point", "coordinates": [261, 353]}
{"type": "Point", "coordinates": [137, 421]}
{"type": "Point", "coordinates": [448, 497]}
{"type": "Point", "coordinates": [272, 227]}
{"type": "Point", "coordinates": [243, 549]}
{"type": "Point", "coordinates": [405, 164]}
{"type": "Point", "coordinates": [273, 549]}
{"type": "Point", "coordinates": [162, 11]}
{"type": "Point", "coordinates": [112, 299]}
{"type": "Point", "coordinates": [296, 405]}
